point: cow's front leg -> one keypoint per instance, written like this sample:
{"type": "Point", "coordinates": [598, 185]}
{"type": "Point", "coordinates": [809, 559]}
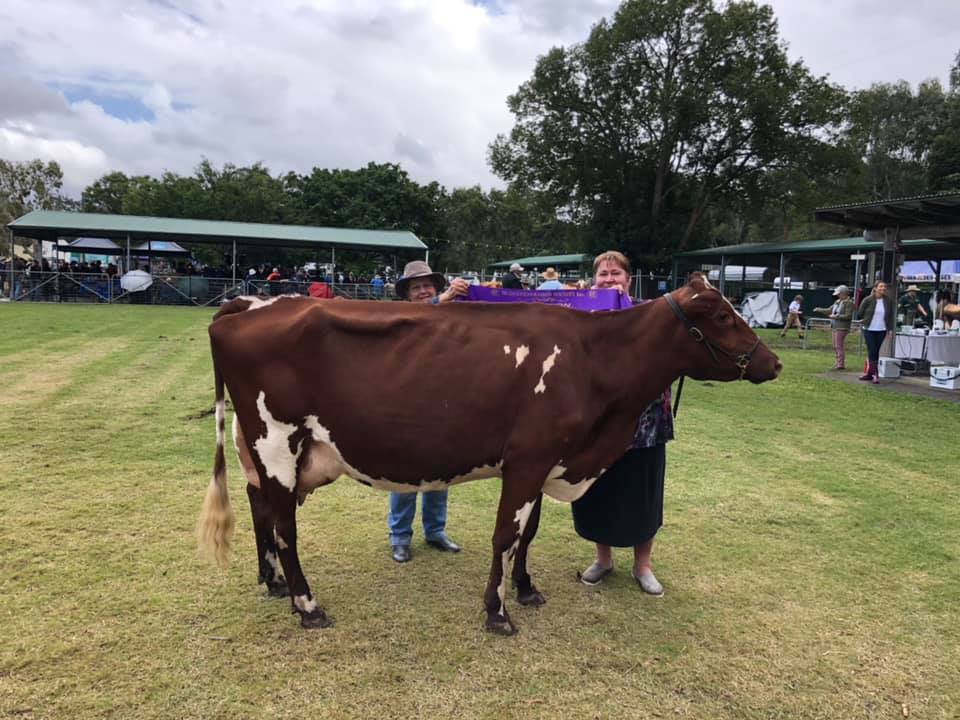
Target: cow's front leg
{"type": "Point", "coordinates": [516, 505]}
{"type": "Point", "coordinates": [302, 602]}
{"type": "Point", "coordinates": [267, 557]}
{"type": "Point", "coordinates": [527, 594]}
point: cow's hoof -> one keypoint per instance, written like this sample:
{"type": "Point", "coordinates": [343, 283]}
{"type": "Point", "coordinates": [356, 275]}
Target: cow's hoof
{"type": "Point", "coordinates": [315, 619]}
{"type": "Point", "coordinates": [534, 598]}
{"type": "Point", "coordinates": [278, 591]}
{"type": "Point", "coordinates": [501, 626]}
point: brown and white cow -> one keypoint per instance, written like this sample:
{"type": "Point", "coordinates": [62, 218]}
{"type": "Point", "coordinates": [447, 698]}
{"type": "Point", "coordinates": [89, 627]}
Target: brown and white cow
{"type": "Point", "coordinates": [412, 397]}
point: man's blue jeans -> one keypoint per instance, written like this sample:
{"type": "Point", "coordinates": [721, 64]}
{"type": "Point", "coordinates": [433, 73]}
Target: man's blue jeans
{"type": "Point", "coordinates": [403, 506]}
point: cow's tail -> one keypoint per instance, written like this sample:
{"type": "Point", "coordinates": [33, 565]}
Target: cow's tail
{"type": "Point", "coordinates": [215, 529]}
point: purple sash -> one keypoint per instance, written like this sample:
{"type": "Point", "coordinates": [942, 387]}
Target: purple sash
{"type": "Point", "coordinates": [588, 300]}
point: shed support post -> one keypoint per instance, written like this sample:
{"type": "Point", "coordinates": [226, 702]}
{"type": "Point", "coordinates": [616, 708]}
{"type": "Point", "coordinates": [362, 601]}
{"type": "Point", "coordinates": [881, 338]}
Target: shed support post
{"type": "Point", "coordinates": [675, 274]}
{"type": "Point", "coordinates": [233, 261]}
{"type": "Point", "coordinates": [743, 279]}
{"type": "Point", "coordinates": [783, 270]}
{"type": "Point", "coordinates": [13, 256]}
{"type": "Point", "coordinates": [128, 254]}
{"type": "Point", "coordinates": [333, 268]}
{"type": "Point", "coordinates": [723, 274]}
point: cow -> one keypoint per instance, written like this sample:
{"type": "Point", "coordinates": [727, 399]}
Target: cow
{"type": "Point", "coordinates": [412, 397]}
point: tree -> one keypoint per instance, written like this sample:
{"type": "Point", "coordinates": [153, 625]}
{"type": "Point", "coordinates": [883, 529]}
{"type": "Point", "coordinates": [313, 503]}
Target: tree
{"type": "Point", "coordinates": [944, 159]}
{"type": "Point", "coordinates": [106, 195]}
{"type": "Point", "coordinates": [663, 112]}
{"type": "Point", "coordinates": [892, 130]}
{"type": "Point", "coordinates": [29, 185]}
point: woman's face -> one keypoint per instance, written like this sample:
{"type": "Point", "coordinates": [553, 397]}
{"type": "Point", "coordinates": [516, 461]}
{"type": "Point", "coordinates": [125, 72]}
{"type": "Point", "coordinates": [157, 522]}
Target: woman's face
{"type": "Point", "coordinates": [611, 275]}
{"type": "Point", "coordinates": [880, 289]}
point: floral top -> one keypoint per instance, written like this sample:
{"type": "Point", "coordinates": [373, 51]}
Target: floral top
{"type": "Point", "coordinates": [655, 426]}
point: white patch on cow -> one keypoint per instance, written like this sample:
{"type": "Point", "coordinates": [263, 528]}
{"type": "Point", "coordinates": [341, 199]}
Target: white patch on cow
{"type": "Point", "coordinates": [560, 489]}
{"type": "Point", "coordinates": [271, 558]}
{"type": "Point", "coordinates": [274, 447]}
{"type": "Point", "coordinates": [522, 353]}
{"type": "Point", "coordinates": [257, 302]}
{"type": "Point", "coordinates": [523, 515]}
{"type": "Point", "coordinates": [279, 540]}
{"type": "Point", "coordinates": [547, 367]}
{"type": "Point", "coordinates": [220, 413]}
{"type": "Point", "coordinates": [506, 349]}
{"type": "Point", "coordinates": [506, 565]}
{"type": "Point", "coordinates": [304, 603]}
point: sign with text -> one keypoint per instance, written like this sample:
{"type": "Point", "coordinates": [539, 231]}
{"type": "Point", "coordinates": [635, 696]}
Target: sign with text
{"type": "Point", "coordinates": [589, 300]}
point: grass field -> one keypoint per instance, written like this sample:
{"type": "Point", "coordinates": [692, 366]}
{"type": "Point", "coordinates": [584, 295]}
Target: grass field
{"type": "Point", "coordinates": [810, 559]}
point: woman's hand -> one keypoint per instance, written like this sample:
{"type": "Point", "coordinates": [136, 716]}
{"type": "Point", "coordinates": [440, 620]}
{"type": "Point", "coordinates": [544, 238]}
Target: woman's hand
{"type": "Point", "coordinates": [458, 288]}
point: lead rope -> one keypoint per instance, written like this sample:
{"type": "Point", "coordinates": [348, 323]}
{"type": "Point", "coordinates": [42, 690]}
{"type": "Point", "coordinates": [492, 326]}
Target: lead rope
{"type": "Point", "coordinates": [676, 404]}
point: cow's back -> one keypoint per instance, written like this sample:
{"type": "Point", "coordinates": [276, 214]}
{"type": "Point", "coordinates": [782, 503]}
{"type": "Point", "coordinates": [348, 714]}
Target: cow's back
{"type": "Point", "coordinates": [413, 392]}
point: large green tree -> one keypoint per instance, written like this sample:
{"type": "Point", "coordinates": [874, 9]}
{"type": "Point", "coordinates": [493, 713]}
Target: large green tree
{"type": "Point", "coordinates": [29, 185]}
{"type": "Point", "coordinates": [943, 168]}
{"type": "Point", "coordinates": [668, 109]}
{"type": "Point", "coordinates": [892, 128]}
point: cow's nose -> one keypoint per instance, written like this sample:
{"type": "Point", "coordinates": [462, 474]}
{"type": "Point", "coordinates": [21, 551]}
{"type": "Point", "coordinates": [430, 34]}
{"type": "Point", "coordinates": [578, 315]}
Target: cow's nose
{"type": "Point", "coordinates": [778, 366]}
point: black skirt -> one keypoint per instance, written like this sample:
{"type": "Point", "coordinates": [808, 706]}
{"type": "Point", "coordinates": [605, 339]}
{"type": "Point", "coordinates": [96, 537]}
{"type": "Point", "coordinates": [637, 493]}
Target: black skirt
{"type": "Point", "coordinates": [624, 507]}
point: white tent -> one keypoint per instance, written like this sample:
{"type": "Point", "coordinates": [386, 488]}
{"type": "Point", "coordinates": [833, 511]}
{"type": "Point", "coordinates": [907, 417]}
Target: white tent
{"type": "Point", "coordinates": [762, 309]}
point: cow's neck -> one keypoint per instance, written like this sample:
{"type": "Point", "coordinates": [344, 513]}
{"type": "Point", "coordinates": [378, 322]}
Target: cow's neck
{"type": "Point", "coordinates": [650, 346]}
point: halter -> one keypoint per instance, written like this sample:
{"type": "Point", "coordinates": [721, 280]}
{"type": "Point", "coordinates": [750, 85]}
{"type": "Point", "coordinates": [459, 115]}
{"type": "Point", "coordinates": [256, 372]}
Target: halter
{"type": "Point", "coordinates": [741, 361]}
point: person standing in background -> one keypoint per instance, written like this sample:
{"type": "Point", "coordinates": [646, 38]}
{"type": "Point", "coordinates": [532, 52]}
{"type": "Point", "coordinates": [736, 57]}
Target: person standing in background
{"type": "Point", "coordinates": [841, 315]}
{"type": "Point", "coordinates": [877, 314]}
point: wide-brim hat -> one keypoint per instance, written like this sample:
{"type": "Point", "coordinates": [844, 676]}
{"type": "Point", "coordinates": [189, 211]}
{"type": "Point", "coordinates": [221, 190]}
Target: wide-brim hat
{"type": "Point", "coordinates": [841, 289]}
{"type": "Point", "coordinates": [419, 269]}
{"type": "Point", "coordinates": [549, 274]}
{"type": "Point", "coordinates": [912, 288]}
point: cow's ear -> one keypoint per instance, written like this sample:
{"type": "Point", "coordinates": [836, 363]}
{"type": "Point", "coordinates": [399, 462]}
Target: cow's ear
{"type": "Point", "coordinates": [698, 281]}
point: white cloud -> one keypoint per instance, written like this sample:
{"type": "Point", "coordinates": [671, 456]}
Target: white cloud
{"type": "Point", "coordinates": [339, 83]}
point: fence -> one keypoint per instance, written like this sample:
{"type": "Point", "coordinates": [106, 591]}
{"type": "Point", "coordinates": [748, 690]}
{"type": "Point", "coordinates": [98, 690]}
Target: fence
{"type": "Point", "coordinates": [57, 287]}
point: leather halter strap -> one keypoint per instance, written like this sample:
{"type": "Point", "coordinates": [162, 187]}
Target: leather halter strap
{"type": "Point", "coordinates": [742, 361]}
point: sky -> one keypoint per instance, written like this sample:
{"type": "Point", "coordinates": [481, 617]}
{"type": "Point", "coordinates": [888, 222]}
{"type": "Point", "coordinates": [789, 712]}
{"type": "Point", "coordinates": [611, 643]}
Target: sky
{"type": "Point", "coordinates": [153, 85]}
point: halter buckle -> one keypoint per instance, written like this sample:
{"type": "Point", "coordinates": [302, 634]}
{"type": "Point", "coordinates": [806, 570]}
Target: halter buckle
{"type": "Point", "coordinates": [696, 334]}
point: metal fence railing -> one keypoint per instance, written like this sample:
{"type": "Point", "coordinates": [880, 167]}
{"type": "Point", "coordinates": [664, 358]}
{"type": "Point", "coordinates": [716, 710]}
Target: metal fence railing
{"type": "Point", "coordinates": [193, 290]}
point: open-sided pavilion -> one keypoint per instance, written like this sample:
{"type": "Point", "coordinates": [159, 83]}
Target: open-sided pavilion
{"type": "Point", "coordinates": [844, 254]}
{"type": "Point", "coordinates": [56, 226]}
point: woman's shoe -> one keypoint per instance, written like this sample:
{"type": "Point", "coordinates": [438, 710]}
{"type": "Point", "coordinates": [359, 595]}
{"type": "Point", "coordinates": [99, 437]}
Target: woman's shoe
{"type": "Point", "coordinates": [594, 574]}
{"type": "Point", "coordinates": [876, 380]}
{"type": "Point", "coordinates": [648, 583]}
{"type": "Point", "coordinates": [866, 376]}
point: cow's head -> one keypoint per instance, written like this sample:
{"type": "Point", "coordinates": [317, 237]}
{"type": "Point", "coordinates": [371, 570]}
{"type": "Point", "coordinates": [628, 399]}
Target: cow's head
{"type": "Point", "coordinates": [723, 347]}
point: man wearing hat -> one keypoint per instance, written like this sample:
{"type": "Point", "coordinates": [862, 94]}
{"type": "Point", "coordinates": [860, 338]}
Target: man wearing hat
{"type": "Point", "coordinates": [512, 280]}
{"type": "Point", "coordinates": [840, 314]}
{"type": "Point", "coordinates": [420, 284]}
{"type": "Point", "coordinates": [909, 306]}
{"type": "Point", "coordinates": [551, 280]}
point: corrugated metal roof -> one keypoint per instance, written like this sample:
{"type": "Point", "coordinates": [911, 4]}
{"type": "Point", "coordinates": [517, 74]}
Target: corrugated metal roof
{"type": "Point", "coordinates": [829, 246]}
{"type": "Point", "coordinates": [545, 260]}
{"type": "Point", "coordinates": [53, 224]}
{"type": "Point", "coordinates": [936, 215]}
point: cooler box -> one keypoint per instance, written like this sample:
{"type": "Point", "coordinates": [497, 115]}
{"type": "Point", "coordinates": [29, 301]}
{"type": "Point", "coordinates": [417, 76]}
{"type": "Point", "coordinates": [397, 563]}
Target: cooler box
{"type": "Point", "coordinates": [889, 368]}
{"type": "Point", "coordinates": [945, 377]}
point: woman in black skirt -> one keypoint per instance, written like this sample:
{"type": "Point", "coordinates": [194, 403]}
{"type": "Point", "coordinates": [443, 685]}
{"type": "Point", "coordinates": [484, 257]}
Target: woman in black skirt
{"type": "Point", "coordinates": [624, 508]}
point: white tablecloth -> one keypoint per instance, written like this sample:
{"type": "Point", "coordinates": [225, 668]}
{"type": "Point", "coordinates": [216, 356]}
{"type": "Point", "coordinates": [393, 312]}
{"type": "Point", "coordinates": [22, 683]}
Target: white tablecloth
{"type": "Point", "coordinates": [944, 349]}
{"type": "Point", "coordinates": [909, 347]}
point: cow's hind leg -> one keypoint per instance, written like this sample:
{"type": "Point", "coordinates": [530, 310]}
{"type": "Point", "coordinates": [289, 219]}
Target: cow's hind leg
{"type": "Point", "coordinates": [302, 602]}
{"type": "Point", "coordinates": [527, 594]}
{"type": "Point", "coordinates": [267, 555]}
{"type": "Point", "coordinates": [516, 506]}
